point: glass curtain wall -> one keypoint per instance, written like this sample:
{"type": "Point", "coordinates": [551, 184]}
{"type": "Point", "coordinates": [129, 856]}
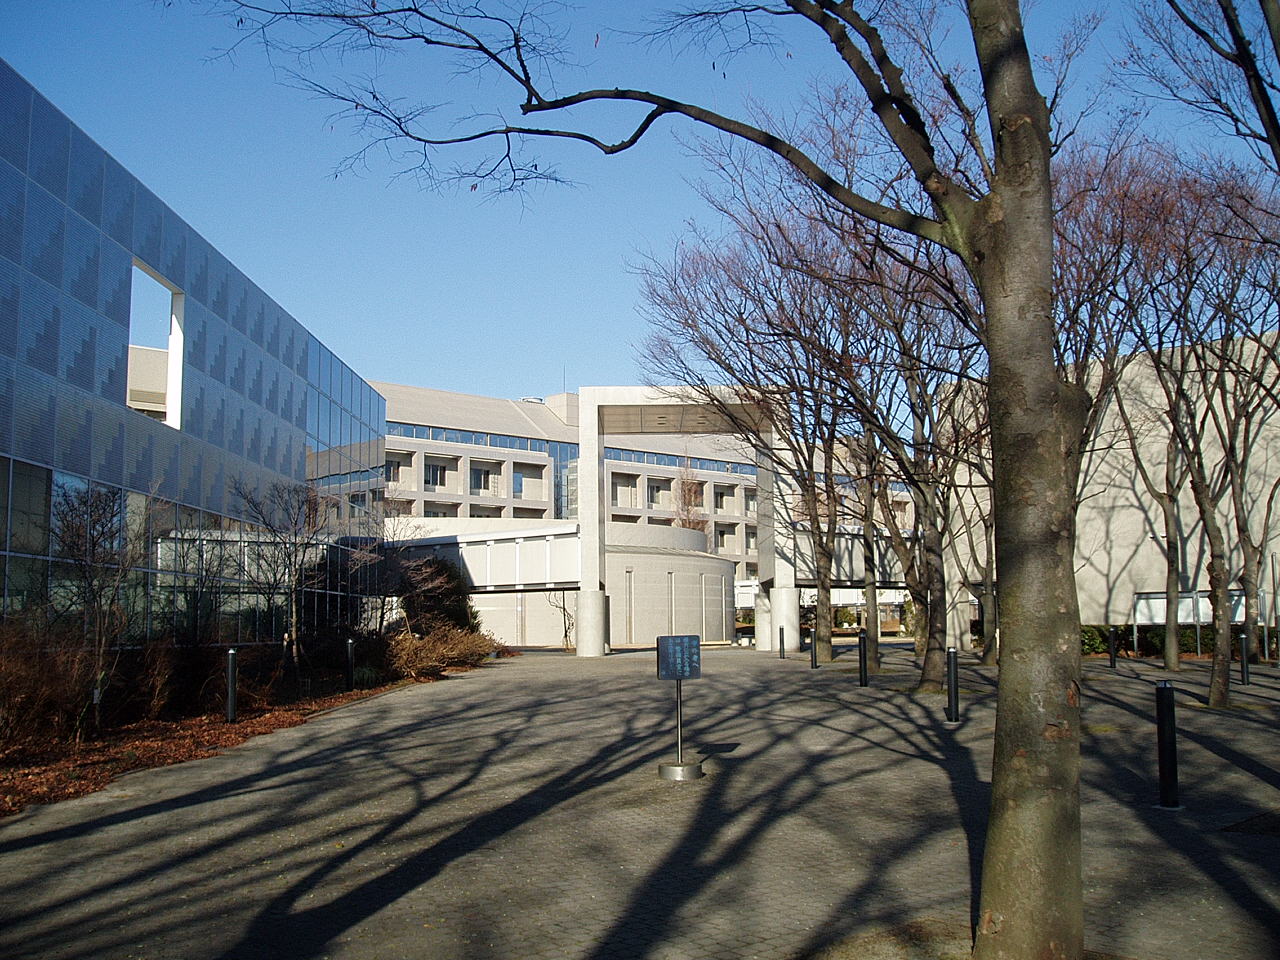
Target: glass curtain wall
{"type": "Point", "coordinates": [259, 406]}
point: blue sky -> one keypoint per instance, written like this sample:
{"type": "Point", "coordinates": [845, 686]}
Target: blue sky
{"type": "Point", "coordinates": [508, 297]}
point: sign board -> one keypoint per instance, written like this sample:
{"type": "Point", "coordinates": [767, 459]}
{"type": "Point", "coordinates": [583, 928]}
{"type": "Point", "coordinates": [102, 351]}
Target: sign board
{"type": "Point", "coordinates": [679, 658]}
{"type": "Point", "coordinates": [1150, 608]}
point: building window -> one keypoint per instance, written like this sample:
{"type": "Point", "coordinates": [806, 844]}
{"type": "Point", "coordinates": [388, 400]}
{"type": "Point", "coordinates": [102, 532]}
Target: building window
{"type": "Point", "coordinates": [483, 481]}
{"type": "Point", "coordinates": [391, 470]}
{"type": "Point", "coordinates": [517, 484]}
{"type": "Point", "coordinates": [751, 539]}
{"type": "Point", "coordinates": [722, 538]}
{"type": "Point", "coordinates": [434, 475]}
{"type": "Point", "coordinates": [658, 494]}
{"type": "Point", "coordinates": [749, 498]}
{"type": "Point", "coordinates": [624, 490]}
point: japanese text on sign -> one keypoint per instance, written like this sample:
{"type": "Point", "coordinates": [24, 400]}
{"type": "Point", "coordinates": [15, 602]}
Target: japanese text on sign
{"type": "Point", "coordinates": [679, 658]}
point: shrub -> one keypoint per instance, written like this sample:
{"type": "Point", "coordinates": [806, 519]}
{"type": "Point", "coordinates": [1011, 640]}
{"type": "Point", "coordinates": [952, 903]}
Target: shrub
{"type": "Point", "coordinates": [443, 645]}
{"type": "Point", "coordinates": [1093, 639]}
{"type": "Point", "coordinates": [45, 683]}
{"type": "Point", "coordinates": [435, 591]}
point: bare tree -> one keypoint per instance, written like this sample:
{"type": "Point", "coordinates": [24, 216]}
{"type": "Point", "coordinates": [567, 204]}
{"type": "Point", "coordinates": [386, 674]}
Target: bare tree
{"type": "Point", "coordinates": [1165, 490]}
{"type": "Point", "coordinates": [969, 172]}
{"type": "Point", "coordinates": [907, 378]}
{"type": "Point", "coordinates": [287, 535]}
{"type": "Point", "coordinates": [96, 592]}
{"type": "Point", "coordinates": [739, 333]}
{"type": "Point", "coordinates": [869, 482]}
{"type": "Point", "coordinates": [1218, 57]}
{"type": "Point", "coordinates": [1211, 350]}
{"type": "Point", "coordinates": [690, 500]}
{"type": "Point", "coordinates": [434, 591]}
{"type": "Point", "coordinates": [560, 603]}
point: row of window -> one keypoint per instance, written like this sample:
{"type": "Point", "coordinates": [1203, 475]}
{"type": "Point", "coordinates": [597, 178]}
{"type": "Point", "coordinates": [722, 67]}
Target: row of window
{"type": "Point", "coordinates": [561, 450]}
{"type": "Point", "coordinates": [556, 449]}
{"type": "Point", "coordinates": [484, 480]}
{"type": "Point", "coordinates": [679, 462]}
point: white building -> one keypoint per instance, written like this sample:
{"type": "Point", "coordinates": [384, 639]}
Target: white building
{"type": "Point", "coordinates": [482, 479]}
{"type": "Point", "coordinates": [453, 455]}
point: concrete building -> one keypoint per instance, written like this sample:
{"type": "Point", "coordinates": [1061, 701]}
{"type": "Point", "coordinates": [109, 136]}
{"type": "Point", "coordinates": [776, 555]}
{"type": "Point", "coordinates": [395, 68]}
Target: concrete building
{"type": "Point", "coordinates": [480, 479]}
{"type": "Point", "coordinates": [451, 455]}
{"type": "Point", "coordinates": [1121, 534]}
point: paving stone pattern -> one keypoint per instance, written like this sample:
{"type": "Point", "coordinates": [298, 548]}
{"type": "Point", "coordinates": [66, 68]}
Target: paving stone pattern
{"type": "Point", "coordinates": [517, 812]}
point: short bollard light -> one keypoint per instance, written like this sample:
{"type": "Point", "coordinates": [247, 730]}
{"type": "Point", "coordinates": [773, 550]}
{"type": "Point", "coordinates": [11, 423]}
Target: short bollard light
{"type": "Point", "coordinates": [680, 659]}
{"type": "Point", "coordinates": [1167, 745]}
{"type": "Point", "coordinates": [953, 687]}
{"type": "Point", "coordinates": [862, 657]}
{"type": "Point", "coordinates": [813, 651]}
{"type": "Point", "coordinates": [1244, 659]}
{"type": "Point", "coordinates": [231, 684]}
{"type": "Point", "coordinates": [351, 665]}
{"type": "Point", "coordinates": [782, 643]}
{"type": "Point", "coordinates": [1113, 637]}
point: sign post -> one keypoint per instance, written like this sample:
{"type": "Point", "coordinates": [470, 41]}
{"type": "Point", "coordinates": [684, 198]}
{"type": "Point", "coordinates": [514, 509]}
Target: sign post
{"type": "Point", "coordinates": [680, 659]}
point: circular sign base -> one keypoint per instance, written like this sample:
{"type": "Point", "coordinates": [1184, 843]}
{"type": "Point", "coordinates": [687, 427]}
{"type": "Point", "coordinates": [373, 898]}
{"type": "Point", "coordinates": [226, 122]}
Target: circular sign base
{"type": "Point", "coordinates": [681, 771]}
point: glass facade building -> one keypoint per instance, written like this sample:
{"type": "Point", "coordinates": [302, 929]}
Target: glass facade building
{"type": "Point", "coordinates": [254, 400]}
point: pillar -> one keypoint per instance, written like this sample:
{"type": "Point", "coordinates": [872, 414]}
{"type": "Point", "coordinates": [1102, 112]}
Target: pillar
{"type": "Point", "coordinates": [785, 610]}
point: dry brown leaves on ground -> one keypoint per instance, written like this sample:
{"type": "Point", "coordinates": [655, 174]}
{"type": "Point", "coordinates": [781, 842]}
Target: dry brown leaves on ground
{"type": "Point", "coordinates": [45, 771]}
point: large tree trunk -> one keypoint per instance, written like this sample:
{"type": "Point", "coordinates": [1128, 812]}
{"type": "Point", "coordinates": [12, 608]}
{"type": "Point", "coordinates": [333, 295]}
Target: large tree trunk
{"type": "Point", "coordinates": [934, 670]}
{"type": "Point", "coordinates": [1032, 891]}
{"type": "Point", "coordinates": [822, 618]}
{"type": "Point", "coordinates": [1219, 591]}
{"type": "Point", "coordinates": [1250, 576]}
{"type": "Point", "coordinates": [1172, 589]}
{"type": "Point", "coordinates": [1220, 601]}
{"type": "Point", "coordinates": [870, 590]}
{"type": "Point", "coordinates": [1032, 898]}
{"type": "Point", "coordinates": [990, 625]}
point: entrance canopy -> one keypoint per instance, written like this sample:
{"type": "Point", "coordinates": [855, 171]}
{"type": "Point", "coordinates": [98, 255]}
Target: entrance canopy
{"type": "Point", "coordinates": [666, 415]}
{"type": "Point", "coordinates": [619, 411]}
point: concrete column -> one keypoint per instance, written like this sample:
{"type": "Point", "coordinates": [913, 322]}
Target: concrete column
{"type": "Point", "coordinates": [764, 622]}
{"type": "Point", "coordinates": [591, 624]}
{"type": "Point", "coordinates": [785, 604]}
{"type": "Point", "coordinates": [777, 546]}
{"type": "Point", "coordinates": [417, 479]}
{"type": "Point", "coordinates": [176, 358]}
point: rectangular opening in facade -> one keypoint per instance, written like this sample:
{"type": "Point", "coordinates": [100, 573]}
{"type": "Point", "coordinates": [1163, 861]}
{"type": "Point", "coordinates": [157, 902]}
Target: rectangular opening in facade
{"type": "Point", "coordinates": [155, 346]}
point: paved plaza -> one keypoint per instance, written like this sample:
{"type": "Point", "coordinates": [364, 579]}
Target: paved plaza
{"type": "Point", "coordinates": [517, 812]}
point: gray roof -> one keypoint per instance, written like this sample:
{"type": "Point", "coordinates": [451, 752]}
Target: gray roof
{"type": "Point", "coordinates": [465, 411]}
{"type": "Point", "coordinates": [526, 418]}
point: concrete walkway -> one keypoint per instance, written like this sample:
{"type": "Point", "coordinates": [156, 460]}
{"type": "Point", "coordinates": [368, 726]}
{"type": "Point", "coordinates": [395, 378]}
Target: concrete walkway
{"type": "Point", "coordinates": [516, 812]}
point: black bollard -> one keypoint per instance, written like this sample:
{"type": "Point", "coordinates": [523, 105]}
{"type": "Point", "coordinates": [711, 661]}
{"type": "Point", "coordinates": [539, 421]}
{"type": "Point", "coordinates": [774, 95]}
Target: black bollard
{"type": "Point", "coordinates": [953, 685]}
{"type": "Point", "coordinates": [813, 651]}
{"type": "Point", "coordinates": [231, 684]}
{"type": "Point", "coordinates": [862, 657]}
{"type": "Point", "coordinates": [351, 665]}
{"type": "Point", "coordinates": [1112, 637]}
{"type": "Point", "coordinates": [782, 643]}
{"type": "Point", "coordinates": [1244, 659]}
{"type": "Point", "coordinates": [1167, 745]}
